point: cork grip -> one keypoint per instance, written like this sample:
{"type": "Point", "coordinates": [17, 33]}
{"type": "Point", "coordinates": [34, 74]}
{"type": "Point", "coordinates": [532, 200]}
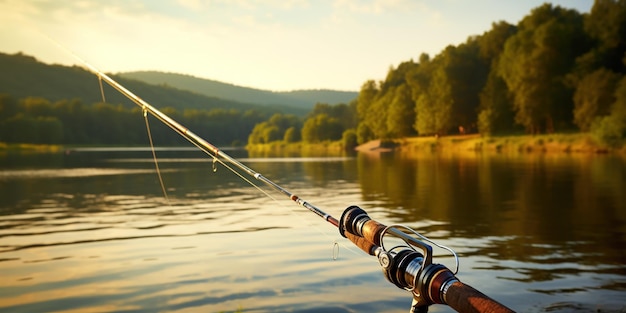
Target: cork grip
{"type": "Point", "coordinates": [464, 298]}
{"type": "Point", "coordinates": [362, 243]}
{"type": "Point", "coordinates": [371, 231]}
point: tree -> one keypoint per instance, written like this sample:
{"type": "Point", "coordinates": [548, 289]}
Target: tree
{"type": "Point", "coordinates": [606, 25]}
{"type": "Point", "coordinates": [349, 139]}
{"type": "Point", "coordinates": [275, 129]}
{"type": "Point", "coordinates": [465, 73]}
{"type": "Point", "coordinates": [496, 114]}
{"type": "Point", "coordinates": [594, 95]}
{"type": "Point", "coordinates": [611, 129]}
{"type": "Point", "coordinates": [378, 112]}
{"type": "Point", "coordinates": [20, 128]}
{"type": "Point", "coordinates": [345, 113]}
{"type": "Point", "coordinates": [434, 107]}
{"type": "Point", "coordinates": [292, 134]}
{"type": "Point", "coordinates": [321, 128]}
{"type": "Point", "coordinates": [363, 134]}
{"type": "Point", "coordinates": [8, 106]}
{"type": "Point", "coordinates": [425, 121]}
{"type": "Point", "coordinates": [535, 63]}
{"type": "Point", "coordinates": [401, 114]}
{"type": "Point", "coordinates": [365, 101]}
{"type": "Point", "coordinates": [50, 130]}
{"type": "Point", "coordinates": [418, 79]}
{"type": "Point", "coordinates": [496, 108]}
{"type": "Point", "coordinates": [491, 43]}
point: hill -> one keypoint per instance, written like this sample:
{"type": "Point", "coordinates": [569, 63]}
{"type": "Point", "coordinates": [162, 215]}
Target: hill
{"type": "Point", "coordinates": [298, 99]}
{"type": "Point", "coordinates": [24, 76]}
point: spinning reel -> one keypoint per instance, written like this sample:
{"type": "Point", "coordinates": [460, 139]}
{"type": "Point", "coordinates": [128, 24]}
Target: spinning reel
{"type": "Point", "coordinates": [407, 264]}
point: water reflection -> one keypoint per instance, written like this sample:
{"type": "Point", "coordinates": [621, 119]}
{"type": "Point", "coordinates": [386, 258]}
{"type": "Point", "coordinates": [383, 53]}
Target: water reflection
{"type": "Point", "coordinates": [91, 231]}
{"type": "Point", "coordinates": [541, 219]}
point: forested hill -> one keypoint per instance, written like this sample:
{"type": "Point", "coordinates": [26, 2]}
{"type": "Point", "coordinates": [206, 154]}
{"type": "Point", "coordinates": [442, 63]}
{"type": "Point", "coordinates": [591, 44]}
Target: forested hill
{"type": "Point", "coordinates": [299, 98]}
{"type": "Point", "coordinates": [23, 76]}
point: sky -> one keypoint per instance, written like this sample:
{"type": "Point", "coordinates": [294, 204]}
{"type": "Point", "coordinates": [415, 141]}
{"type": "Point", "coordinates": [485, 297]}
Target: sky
{"type": "Point", "coordinates": [277, 45]}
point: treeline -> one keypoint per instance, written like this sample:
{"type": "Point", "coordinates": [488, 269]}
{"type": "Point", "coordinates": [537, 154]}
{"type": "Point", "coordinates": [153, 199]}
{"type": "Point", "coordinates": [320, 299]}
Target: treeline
{"type": "Point", "coordinates": [38, 120]}
{"type": "Point", "coordinates": [324, 123]}
{"type": "Point", "coordinates": [557, 70]}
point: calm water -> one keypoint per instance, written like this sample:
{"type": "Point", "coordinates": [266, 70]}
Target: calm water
{"type": "Point", "coordinates": [90, 231]}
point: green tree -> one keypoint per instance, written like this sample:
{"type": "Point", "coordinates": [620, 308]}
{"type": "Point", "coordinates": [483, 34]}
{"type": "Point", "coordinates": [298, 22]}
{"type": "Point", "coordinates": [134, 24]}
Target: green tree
{"type": "Point", "coordinates": [363, 134]}
{"type": "Point", "coordinates": [496, 114]}
{"type": "Point", "coordinates": [491, 43]}
{"type": "Point", "coordinates": [593, 97]}
{"type": "Point", "coordinates": [496, 108]}
{"type": "Point", "coordinates": [321, 128]}
{"type": "Point", "coordinates": [365, 101]}
{"type": "Point", "coordinates": [425, 124]}
{"type": "Point", "coordinates": [349, 139]}
{"type": "Point", "coordinates": [20, 128]}
{"type": "Point", "coordinates": [377, 114]}
{"type": "Point", "coordinates": [611, 128]}
{"type": "Point", "coordinates": [535, 63]}
{"type": "Point", "coordinates": [465, 73]}
{"type": "Point", "coordinates": [50, 130]}
{"type": "Point", "coordinates": [606, 25]}
{"type": "Point", "coordinates": [274, 129]}
{"type": "Point", "coordinates": [418, 79]}
{"type": "Point", "coordinates": [36, 106]}
{"type": "Point", "coordinates": [292, 134]}
{"type": "Point", "coordinates": [401, 113]}
{"type": "Point", "coordinates": [434, 108]}
{"type": "Point", "coordinates": [8, 106]}
{"type": "Point", "coordinates": [72, 114]}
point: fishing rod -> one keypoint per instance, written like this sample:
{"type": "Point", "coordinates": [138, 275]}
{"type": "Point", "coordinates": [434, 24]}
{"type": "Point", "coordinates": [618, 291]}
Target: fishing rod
{"type": "Point", "coordinates": [407, 265]}
{"type": "Point", "coordinates": [203, 144]}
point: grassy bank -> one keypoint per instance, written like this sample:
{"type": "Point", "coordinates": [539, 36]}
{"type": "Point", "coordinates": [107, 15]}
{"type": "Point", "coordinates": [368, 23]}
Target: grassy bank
{"type": "Point", "coordinates": [29, 147]}
{"type": "Point", "coordinates": [295, 149]}
{"type": "Point", "coordinates": [553, 143]}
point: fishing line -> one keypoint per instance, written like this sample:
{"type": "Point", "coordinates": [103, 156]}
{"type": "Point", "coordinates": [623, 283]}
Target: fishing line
{"type": "Point", "coordinates": [156, 163]}
{"type": "Point", "coordinates": [104, 100]}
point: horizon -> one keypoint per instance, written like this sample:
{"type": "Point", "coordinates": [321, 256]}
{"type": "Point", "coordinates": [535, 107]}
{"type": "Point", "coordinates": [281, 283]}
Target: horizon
{"type": "Point", "coordinates": [269, 45]}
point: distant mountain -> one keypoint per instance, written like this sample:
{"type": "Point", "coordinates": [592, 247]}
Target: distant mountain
{"type": "Point", "coordinates": [299, 98]}
{"type": "Point", "coordinates": [24, 76]}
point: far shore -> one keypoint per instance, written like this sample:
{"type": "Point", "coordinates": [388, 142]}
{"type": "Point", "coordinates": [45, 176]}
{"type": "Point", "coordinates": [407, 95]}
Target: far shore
{"type": "Point", "coordinates": [551, 143]}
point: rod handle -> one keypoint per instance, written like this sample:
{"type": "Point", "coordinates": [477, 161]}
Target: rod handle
{"type": "Point", "coordinates": [464, 298]}
{"type": "Point", "coordinates": [362, 243]}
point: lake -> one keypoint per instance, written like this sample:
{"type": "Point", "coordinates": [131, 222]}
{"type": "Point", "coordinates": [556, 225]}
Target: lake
{"type": "Point", "coordinates": [90, 230]}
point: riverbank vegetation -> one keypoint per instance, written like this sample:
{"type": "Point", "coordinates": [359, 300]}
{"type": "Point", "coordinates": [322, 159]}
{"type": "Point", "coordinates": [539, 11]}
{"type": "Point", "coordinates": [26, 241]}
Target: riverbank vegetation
{"type": "Point", "coordinates": [546, 143]}
{"type": "Point", "coordinates": [35, 120]}
{"type": "Point", "coordinates": [557, 71]}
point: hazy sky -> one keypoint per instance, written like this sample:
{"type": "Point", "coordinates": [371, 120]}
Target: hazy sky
{"type": "Point", "coordinates": [271, 44]}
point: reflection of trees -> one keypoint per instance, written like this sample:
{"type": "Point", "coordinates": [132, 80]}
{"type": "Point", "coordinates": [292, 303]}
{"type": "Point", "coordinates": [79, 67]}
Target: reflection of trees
{"type": "Point", "coordinates": [535, 199]}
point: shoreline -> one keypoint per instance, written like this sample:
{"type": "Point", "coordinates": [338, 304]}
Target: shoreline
{"type": "Point", "coordinates": [580, 143]}
{"type": "Point", "coordinates": [552, 143]}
